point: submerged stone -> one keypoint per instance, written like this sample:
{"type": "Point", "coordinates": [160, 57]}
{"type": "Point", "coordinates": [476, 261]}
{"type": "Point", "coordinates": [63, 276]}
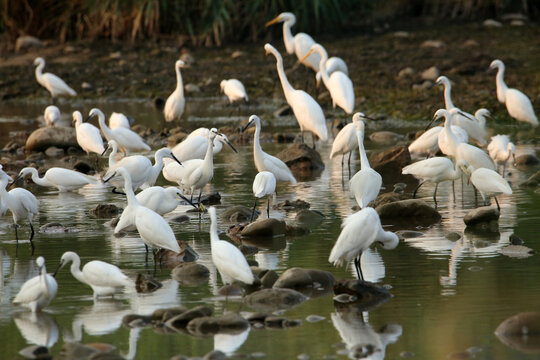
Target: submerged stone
{"type": "Point", "coordinates": [481, 216]}
{"type": "Point", "coordinates": [411, 211]}
{"type": "Point", "coordinates": [304, 161]}
{"type": "Point", "coordinates": [294, 278]}
{"type": "Point", "coordinates": [517, 251]}
{"type": "Point", "coordinates": [274, 299]}
{"type": "Point", "coordinates": [181, 320]}
{"type": "Point", "coordinates": [265, 227]}
{"type": "Point", "coordinates": [368, 295]}
{"type": "Point", "coordinates": [238, 213]}
{"type": "Point", "coordinates": [190, 273]}
{"type": "Point", "coordinates": [105, 210]}
{"type": "Point", "coordinates": [230, 323]}
{"type": "Point", "coordinates": [146, 284]}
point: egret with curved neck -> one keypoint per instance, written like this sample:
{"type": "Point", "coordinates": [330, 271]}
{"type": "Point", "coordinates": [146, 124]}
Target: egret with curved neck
{"type": "Point", "coordinates": [60, 178]}
{"type": "Point", "coordinates": [176, 102]}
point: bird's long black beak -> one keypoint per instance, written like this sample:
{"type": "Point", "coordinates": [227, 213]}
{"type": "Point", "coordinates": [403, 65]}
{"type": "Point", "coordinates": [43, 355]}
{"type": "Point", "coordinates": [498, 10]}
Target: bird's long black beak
{"type": "Point", "coordinates": [248, 125]}
{"type": "Point", "coordinates": [87, 118]}
{"type": "Point", "coordinates": [58, 268]}
{"type": "Point", "coordinates": [109, 178]}
{"type": "Point", "coordinates": [104, 151]}
{"type": "Point", "coordinates": [369, 118]}
{"type": "Point", "coordinates": [430, 123]}
{"type": "Point", "coordinates": [175, 159]}
{"type": "Point", "coordinates": [188, 201]}
{"type": "Point", "coordinates": [228, 143]}
{"type": "Point", "coordinates": [14, 181]}
{"type": "Point", "coordinates": [465, 115]}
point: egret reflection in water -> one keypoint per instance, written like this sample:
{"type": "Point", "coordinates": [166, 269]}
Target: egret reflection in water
{"type": "Point", "coordinates": [37, 328]}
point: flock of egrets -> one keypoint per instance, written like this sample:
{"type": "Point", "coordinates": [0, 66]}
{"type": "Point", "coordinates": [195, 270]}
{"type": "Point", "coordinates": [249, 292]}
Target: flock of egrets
{"type": "Point", "coordinates": [190, 165]}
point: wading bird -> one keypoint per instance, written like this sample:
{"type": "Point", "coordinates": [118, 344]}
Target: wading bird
{"type": "Point", "coordinates": [39, 291]}
{"type": "Point", "coordinates": [176, 102]}
{"type": "Point", "coordinates": [264, 184]}
{"type": "Point", "coordinates": [118, 120]}
{"type": "Point", "coordinates": [60, 178]}
{"type": "Point", "coordinates": [333, 63]}
{"type": "Point", "coordinates": [161, 200]}
{"type": "Point", "coordinates": [487, 181]}
{"type": "Point", "coordinates": [88, 136]}
{"type": "Point", "coordinates": [195, 144]}
{"type": "Point", "coordinates": [51, 115]}
{"type": "Point", "coordinates": [500, 149]}
{"type": "Point", "coordinates": [234, 90]}
{"type": "Point", "coordinates": [51, 82]}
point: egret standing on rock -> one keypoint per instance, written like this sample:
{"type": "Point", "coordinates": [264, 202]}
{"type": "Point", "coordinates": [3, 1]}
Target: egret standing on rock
{"type": "Point", "coordinates": [488, 182]}
{"type": "Point", "coordinates": [174, 106]}
{"type": "Point", "coordinates": [307, 111]}
{"type": "Point", "coordinates": [51, 82]}
{"type": "Point", "coordinates": [234, 90]}
{"type": "Point", "coordinates": [517, 103]}
{"type": "Point", "coordinates": [359, 231]}
{"type": "Point", "coordinates": [161, 200]}
{"type": "Point", "coordinates": [51, 115]}
{"type": "Point", "coordinates": [39, 291]}
{"type": "Point", "coordinates": [104, 278]}
{"type": "Point", "coordinates": [264, 161]}
{"type": "Point", "coordinates": [500, 149]}
{"type": "Point", "coordinates": [344, 143]}
{"type": "Point", "coordinates": [60, 178]}
{"type": "Point", "coordinates": [88, 136]}
{"type": "Point", "coordinates": [228, 259]}
{"type": "Point", "coordinates": [264, 184]}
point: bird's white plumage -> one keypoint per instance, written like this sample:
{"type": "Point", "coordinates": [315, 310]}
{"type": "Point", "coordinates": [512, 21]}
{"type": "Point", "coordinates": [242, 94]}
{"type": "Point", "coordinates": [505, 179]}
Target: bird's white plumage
{"type": "Point", "coordinates": [333, 64]}
{"type": "Point", "coordinates": [21, 202]}
{"type": "Point", "coordinates": [88, 136]}
{"type": "Point", "coordinates": [37, 292]}
{"type": "Point", "coordinates": [195, 144]}
{"type": "Point", "coordinates": [60, 178]}
{"type": "Point", "coordinates": [345, 141]}
{"type": "Point", "coordinates": [436, 169]}
{"type": "Point", "coordinates": [127, 139]}
{"type": "Point", "coordinates": [307, 111]}
{"type": "Point", "coordinates": [487, 181]}
{"type": "Point", "coordinates": [264, 184]}
{"type": "Point", "coordinates": [228, 259]}
{"type": "Point", "coordinates": [267, 162]}
{"type": "Point", "coordinates": [51, 115]}
{"type": "Point", "coordinates": [51, 82]}
{"type": "Point", "coordinates": [118, 120]}
{"type": "Point", "coordinates": [234, 90]}
{"type": "Point", "coordinates": [176, 102]}
{"type": "Point", "coordinates": [518, 105]}
{"type": "Point", "coordinates": [500, 149]}
{"type": "Point", "coordinates": [159, 199]}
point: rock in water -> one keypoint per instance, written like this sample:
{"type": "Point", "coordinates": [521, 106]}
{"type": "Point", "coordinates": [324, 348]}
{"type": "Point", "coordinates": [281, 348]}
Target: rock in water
{"type": "Point", "coordinates": [389, 163]}
{"type": "Point", "coordinates": [366, 295]}
{"type": "Point", "coordinates": [268, 300]}
{"type": "Point", "coordinates": [521, 332]}
{"type": "Point", "coordinates": [304, 161]}
{"type": "Point", "coordinates": [265, 227]}
{"type": "Point", "coordinates": [482, 215]}
{"type": "Point", "coordinates": [43, 138]}
{"type": "Point", "coordinates": [411, 210]}
{"type": "Point", "coordinates": [294, 278]}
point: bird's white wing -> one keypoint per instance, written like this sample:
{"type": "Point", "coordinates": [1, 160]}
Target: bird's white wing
{"type": "Point", "coordinates": [100, 273]}
{"type": "Point", "coordinates": [365, 186]}
{"type": "Point", "coordinates": [154, 230]}
{"type": "Point", "coordinates": [230, 261]}
{"type": "Point", "coordinates": [28, 201]}
{"type": "Point", "coordinates": [309, 113]}
{"type": "Point", "coordinates": [30, 291]}
{"type": "Point", "coordinates": [280, 170]}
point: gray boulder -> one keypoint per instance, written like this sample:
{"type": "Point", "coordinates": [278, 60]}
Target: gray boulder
{"type": "Point", "coordinates": [265, 228]}
{"type": "Point", "coordinates": [364, 294]}
{"type": "Point", "coordinates": [521, 332]}
{"type": "Point", "coordinates": [190, 273]}
{"type": "Point", "coordinates": [481, 216]}
{"type": "Point", "coordinates": [43, 138]}
{"type": "Point", "coordinates": [304, 161]}
{"type": "Point", "coordinates": [410, 211]}
{"type": "Point", "coordinates": [238, 214]}
{"type": "Point", "coordinates": [230, 323]}
{"type": "Point", "coordinates": [268, 300]}
{"type": "Point", "coordinates": [389, 164]}
{"type": "Point", "coordinates": [294, 278]}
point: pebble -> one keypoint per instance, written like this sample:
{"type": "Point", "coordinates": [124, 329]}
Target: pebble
{"type": "Point", "coordinates": [314, 318]}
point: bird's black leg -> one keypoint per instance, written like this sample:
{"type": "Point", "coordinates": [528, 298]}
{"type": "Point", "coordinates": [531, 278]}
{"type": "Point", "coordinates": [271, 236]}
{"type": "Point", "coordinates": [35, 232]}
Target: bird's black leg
{"type": "Point", "coordinates": [416, 189]}
{"type": "Point", "coordinates": [349, 164]}
{"type": "Point", "coordinates": [146, 256]}
{"type": "Point", "coordinates": [268, 207]}
{"type": "Point", "coordinates": [31, 237]}
{"type": "Point", "coordinates": [497, 202]}
{"type": "Point", "coordinates": [115, 191]}
{"type": "Point", "coordinates": [313, 139]}
{"type": "Point", "coordinates": [435, 194]}
{"type": "Point", "coordinates": [358, 267]}
{"type": "Point", "coordinates": [16, 240]}
{"type": "Point", "coordinates": [253, 212]}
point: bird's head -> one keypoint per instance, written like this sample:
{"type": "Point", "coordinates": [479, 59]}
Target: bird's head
{"type": "Point", "coordinates": [40, 262]}
{"type": "Point", "coordinates": [283, 17]}
{"type": "Point", "coordinates": [24, 173]}
{"type": "Point", "coordinates": [269, 49]}
{"type": "Point", "coordinates": [166, 152]}
{"type": "Point", "coordinates": [224, 139]}
{"type": "Point", "coordinates": [95, 112]}
{"type": "Point", "coordinates": [442, 80]}
{"type": "Point", "coordinates": [39, 61]}
{"type": "Point", "coordinates": [222, 85]}
{"type": "Point", "coordinates": [66, 258]}
{"type": "Point", "coordinates": [482, 112]}
{"type": "Point", "coordinates": [496, 64]}
{"type": "Point", "coordinates": [77, 117]}
{"type": "Point", "coordinates": [179, 64]}
{"type": "Point", "coordinates": [253, 119]}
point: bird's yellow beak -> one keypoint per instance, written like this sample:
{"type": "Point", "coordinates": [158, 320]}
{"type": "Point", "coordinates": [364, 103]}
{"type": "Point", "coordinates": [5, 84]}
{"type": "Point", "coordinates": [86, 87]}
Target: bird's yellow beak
{"type": "Point", "coordinates": [307, 55]}
{"type": "Point", "coordinates": [272, 22]}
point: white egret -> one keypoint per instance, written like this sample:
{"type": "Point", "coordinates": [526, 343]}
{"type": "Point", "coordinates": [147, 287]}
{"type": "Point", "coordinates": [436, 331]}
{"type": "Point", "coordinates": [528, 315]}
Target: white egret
{"type": "Point", "coordinates": [51, 115]}
{"type": "Point", "coordinates": [517, 103]}
{"type": "Point", "coordinates": [118, 120]}
{"type": "Point", "coordinates": [428, 142]}
{"type": "Point", "coordinates": [366, 183]}
{"type": "Point", "coordinates": [500, 149]}
{"type": "Point", "coordinates": [194, 145]}
{"type": "Point", "coordinates": [228, 259]}
{"type": "Point", "coordinates": [487, 181]}
{"type": "Point", "coordinates": [88, 136]}
{"type": "Point", "coordinates": [127, 139]}
{"type": "Point", "coordinates": [264, 184]}
{"type": "Point", "coordinates": [307, 111]}
{"type": "Point", "coordinates": [333, 63]}
{"type": "Point", "coordinates": [338, 83]}
{"type": "Point", "coordinates": [104, 278]}
{"type": "Point", "coordinates": [113, 145]}
{"type": "Point", "coordinates": [60, 178]}
{"type": "Point", "coordinates": [234, 90]}
{"type": "Point", "coordinates": [22, 204]}
{"type": "Point", "coordinates": [161, 200]}
{"type": "Point", "coordinates": [51, 82]}
{"type": "Point", "coordinates": [436, 169]}
{"type": "Point", "coordinates": [142, 172]}
{"type": "Point", "coordinates": [299, 44]}
{"type": "Point", "coordinates": [344, 143]}
{"type": "Point", "coordinates": [176, 102]}
{"type": "Point", "coordinates": [359, 231]}
{"type": "Point", "coordinates": [264, 161]}
{"type": "Point", "coordinates": [37, 292]}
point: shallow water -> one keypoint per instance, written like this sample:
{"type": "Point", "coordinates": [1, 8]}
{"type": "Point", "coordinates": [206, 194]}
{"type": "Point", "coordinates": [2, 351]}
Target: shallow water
{"type": "Point", "coordinates": [449, 296]}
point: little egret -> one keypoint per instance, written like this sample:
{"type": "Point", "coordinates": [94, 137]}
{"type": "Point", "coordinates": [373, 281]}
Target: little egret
{"type": "Point", "coordinates": [60, 178]}
{"type": "Point", "coordinates": [37, 292]}
{"type": "Point", "coordinates": [161, 200]}
{"type": "Point", "coordinates": [113, 145]}
{"type": "Point", "coordinates": [264, 161]}
{"type": "Point", "coordinates": [195, 144]}
{"type": "Point", "coordinates": [88, 136]}
{"type": "Point", "coordinates": [333, 63]}
{"type": "Point", "coordinates": [307, 111]}
{"type": "Point", "coordinates": [488, 182]}
{"type": "Point", "coordinates": [436, 169]}
{"type": "Point", "coordinates": [51, 115]}
{"type": "Point", "coordinates": [338, 83]}
{"type": "Point", "coordinates": [234, 90]}
{"type": "Point", "coordinates": [299, 44]}
{"type": "Point", "coordinates": [517, 103]}
{"type": "Point", "coordinates": [127, 139]}
{"type": "Point", "coordinates": [174, 106]}
{"type": "Point", "coordinates": [264, 184]}
{"type": "Point", "coordinates": [228, 259]}
{"type": "Point", "coordinates": [366, 183]}
{"type": "Point", "coordinates": [104, 278]}
{"type": "Point", "coordinates": [359, 231]}
{"type": "Point", "coordinates": [51, 82]}
{"type": "Point", "coordinates": [22, 204]}
{"type": "Point", "coordinates": [428, 142]}
{"type": "Point", "coordinates": [344, 143]}
{"type": "Point", "coordinates": [500, 149]}
{"type": "Point", "coordinates": [118, 120]}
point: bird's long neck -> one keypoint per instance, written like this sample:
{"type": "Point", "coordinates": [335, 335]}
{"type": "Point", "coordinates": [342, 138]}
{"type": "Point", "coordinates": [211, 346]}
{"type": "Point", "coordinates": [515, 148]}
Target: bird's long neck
{"type": "Point", "coordinates": [128, 188]}
{"type": "Point", "coordinates": [44, 280]}
{"type": "Point", "coordinates": [452, 138]}
{"type": "Point", "coordinates": [481, 120]}
{"type": "Point", "coordinates": [448, 96]}
{"type": "Point", "coordinates": [40, 181]}
{"type": "Point", "coordinates": [208, 163]}
{"type": "Point", "coordinates": [76, 270]}
{"type": "Point", "coordinates": [158, 164]}
{"type": "Point", "coordinates": [285, 84]}
{"type": "Point", "coordinates": [288, 38]}
{"type": "Point", "coordinates": [179, 82]}
{"type": "Point", "coordinates": [214, 237]}
{"type": "Point", "coordinates": [112, 155]}
{"type": "Point", "coordinates": [457, 171]}
{"type": "Point", "coordinates": [39, 72]}
{"type": "Point", "coordinates": [6, 197]}
{"type": "Point", "coordinates": [257, 149]}
{"type": "Point", "coordinates": [501, 85]}
{"type": "Point", "coordinates": [106, 130]}
{"type": "Point", "coordinates": [364, 162]}
{"type": "Point", "coordinates": [323, 70]}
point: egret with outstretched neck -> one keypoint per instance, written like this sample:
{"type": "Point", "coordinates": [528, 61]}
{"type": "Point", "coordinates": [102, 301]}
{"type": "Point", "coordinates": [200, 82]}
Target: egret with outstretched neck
{"type": "Point", "coordinates": [60, 178]}
{"type": "Point", "coordinates": [51, 82]}
{"type": "Point", "coordinates": [194, 146]}
{"type": "Point", "coordinates": [88, 136]}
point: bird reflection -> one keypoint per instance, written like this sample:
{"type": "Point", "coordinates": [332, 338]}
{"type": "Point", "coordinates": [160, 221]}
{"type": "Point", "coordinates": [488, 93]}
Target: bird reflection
{"type": "Point", "coordinates": [229, 343]}
{"type": "Point", "coordinates": [361, 340]}
{"type": "Point", "coordinates": [372, 266]}
{"type": "Point", "coordinates": [165, 296]}
{"type": "Point", "coordinates": [103, 317]}
{"type": "Point", "coordinates": [37, 328]}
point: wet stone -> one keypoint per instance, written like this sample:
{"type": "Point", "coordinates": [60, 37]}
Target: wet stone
{"type": "Point", "coordinates": [83, 167]}
{"type": "Point", "coordinates": [56, 228]}
{"type": "Point", "coordinates": [517, 251]}
{"type": "Point", "coordinates": [294, 278]}
{"type": "Point", "coordinates": [368, 294]}
{"type": "Point", "coordinates": [238, 214]}
{"type": "Point", "coordinates": [265, 227]}
{"type": "Point", "coordinates": [389, 163]}
{"type": "Point", "coordinates": [184, 318]}
{"type": "Point", "coordinates": [230, 323]}
{"type": "Point", "coordinates": [274, 299]}
{"type": "Point", "coordinates": [43, 138]}
{"type": "Point", "coordinates": [314, 318]}
{"type": "Point", "coordinates": [215, 355]}
{"type": "Point", "coordinates": [453, 236]}
{"type": "Point", "coordinates": [190, 270]}
{"type": "Point", "coordinates": [105, 211]}
{"type": "Point", "coordinates": [269, 279]}
{"type": "Point", "coordinates": [515, 240]}
{"type": "Point", "coordinates": [307, 216]}
{"type": "Point", "coordinates": [248, 249]}
{"type": "Point", "coordinates": [136, 321]}
{"type": "Point", "coordinates": [527, 160]}
{"type": "Point", "coordinates": [303, 161]}
{"type": "Point", "coordinates": [292, 205]}
{"type": "Point", "coordinates": [410, 211]}
{"type": "Point", "coordinates": [168, 313]}
{"type": "Point", "coordinates": [231, 290]}
{"type": "Point", "coordinates": [481, 216]}
{"type": "Point", "coordinates": [146, 284]}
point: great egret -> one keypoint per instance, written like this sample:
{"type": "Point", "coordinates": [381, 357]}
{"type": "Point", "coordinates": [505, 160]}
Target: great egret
{"type": "Point", "coordinates": [487, 181]}
{"type": "Point", "coordinates": [338, 83]}
{"type": "Point", "coordinates": [307, 111]}
{"type": "Point", "coordinates": [127, 139]}
{"type": "Point", "coordinates": [264, 161]}
{"type": "Point", "coordinates": [436, 169]}
{"type": "Point", "coordinates": [234, 90]}
{"type": "Point", "coordinates": [176, 102]}
{"type": "Point", "coordinates": [60, 178]}
{"type": "Point", "coordinates": [359, 231]}
{"type": "Point", "coordinates": [299, 44]}
{"type": "Point", "coordinates": [22, 204]}
{"type": "Point", "coordinates": [230, 262]}
{"type": "Point", "coordinates": [142, 172]}
{"type": "Point", "coordinates": [194, 145]}
{"type": "Point", "coordinates": [500, 149]}
{"type": "Point", "coordinates": [161, 200]}
{"type": "Point", "coordinates": [37, 292]}
{"type": "Point", "coordinates": [333, 63]}
{"type": "Point", "coordinates": [264, 184]}
{"type": "Point", "coordinates": [51, 82]}
{"type": "Point", "coordinates": [51, 115]}
{"type": "Point", "coordinates": [118, 120]}
{"type": "Point", "coordinates": [517, 103]}
{"type": "Point", "coordinates": [104, 278]}
{"type": "Point", "coordinates": [366, 183]}
{"type": "Point", "coordinates": [88, 136]}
